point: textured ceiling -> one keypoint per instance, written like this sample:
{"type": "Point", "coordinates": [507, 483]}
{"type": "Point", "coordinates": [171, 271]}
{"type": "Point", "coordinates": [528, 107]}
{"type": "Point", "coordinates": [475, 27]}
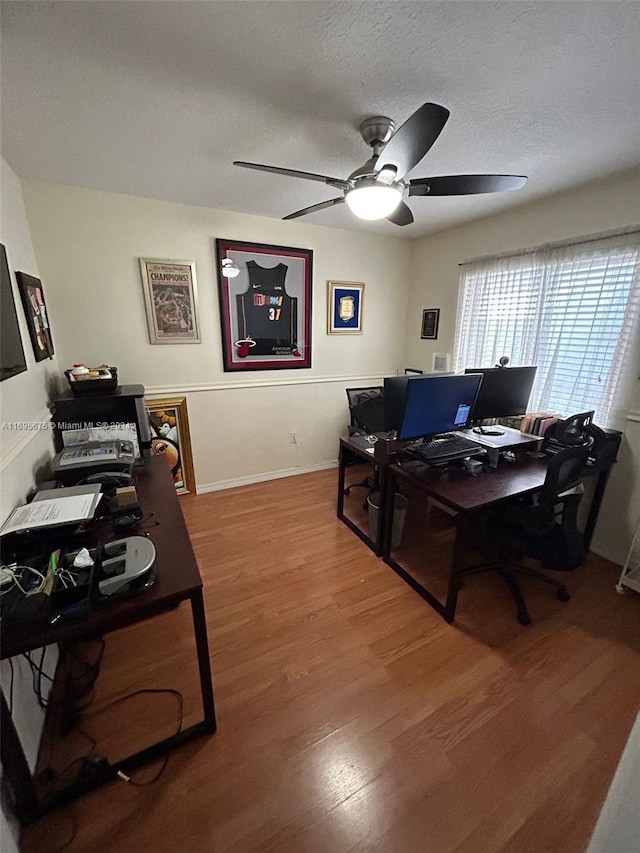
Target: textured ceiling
{"type": "Point", "coordinates": [157, 99]}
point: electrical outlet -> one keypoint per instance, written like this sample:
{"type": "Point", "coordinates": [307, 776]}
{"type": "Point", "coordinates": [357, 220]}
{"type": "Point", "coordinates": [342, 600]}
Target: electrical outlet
{"type": "Point", "coordinates": [293, 437]}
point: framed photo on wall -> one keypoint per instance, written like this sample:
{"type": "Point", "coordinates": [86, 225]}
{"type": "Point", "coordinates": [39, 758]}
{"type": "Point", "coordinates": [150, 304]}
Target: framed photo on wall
{"type": "Point", "coordinates": [265, 305]}
{"type": "Point", "coordinates": [344, 307]}
{"type": "Point", "coordinates": [169, 425]}
{"type": "Point", "coordinates": [430, 322]}
{"type": "Point", "coordinates": [170, 296]}
{"type": "Point", "coordinates": [32, 296]}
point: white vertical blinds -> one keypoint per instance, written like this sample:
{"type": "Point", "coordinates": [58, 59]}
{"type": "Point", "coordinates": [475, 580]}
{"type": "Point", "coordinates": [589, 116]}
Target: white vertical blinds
{"type": "Point", "coordinates": [571, 310]}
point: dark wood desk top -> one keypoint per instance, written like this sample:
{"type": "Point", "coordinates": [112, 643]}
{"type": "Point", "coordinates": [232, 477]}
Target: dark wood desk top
{"type": "Point", "coordinates": [464, 492]}
{"type": "Point", "coordinates": [177, 573]}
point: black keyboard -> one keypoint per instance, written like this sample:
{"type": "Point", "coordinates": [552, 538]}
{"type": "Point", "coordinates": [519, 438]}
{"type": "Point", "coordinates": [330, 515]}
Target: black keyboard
{"type": "Point", "coordinates": [445, 448]}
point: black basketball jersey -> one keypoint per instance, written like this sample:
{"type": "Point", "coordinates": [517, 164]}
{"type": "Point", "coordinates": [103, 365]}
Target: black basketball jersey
{"type": "Point", "coordinates": [266, 313]}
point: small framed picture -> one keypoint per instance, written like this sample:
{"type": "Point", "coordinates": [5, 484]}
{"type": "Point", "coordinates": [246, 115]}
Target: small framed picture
{"type": "Point", "coordinates": [344, 307]}
{"type": "Point", "coordinates": [170, 295]}
{"type": "Point", "coordinates": [440, 362]}
{"type": "Point", "coordinates": [32, 296]}
{"type": "Point", "coordinates": [430, 321]}
{"type": "Point", "coordinates": [169, 425]}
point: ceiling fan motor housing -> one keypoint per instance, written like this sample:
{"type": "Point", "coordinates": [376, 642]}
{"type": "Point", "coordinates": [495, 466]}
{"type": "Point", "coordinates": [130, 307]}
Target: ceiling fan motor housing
{"type": "Point", "coordinates": [377, 131]}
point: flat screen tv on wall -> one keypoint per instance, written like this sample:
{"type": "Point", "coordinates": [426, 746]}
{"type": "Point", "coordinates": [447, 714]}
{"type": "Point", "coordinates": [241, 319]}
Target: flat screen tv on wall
{"type": "Point", "coordinates": [12, 360]}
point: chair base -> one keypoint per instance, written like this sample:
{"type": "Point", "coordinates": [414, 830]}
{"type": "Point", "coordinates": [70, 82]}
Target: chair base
{"type": "Point", "coordinates": [508, 572]}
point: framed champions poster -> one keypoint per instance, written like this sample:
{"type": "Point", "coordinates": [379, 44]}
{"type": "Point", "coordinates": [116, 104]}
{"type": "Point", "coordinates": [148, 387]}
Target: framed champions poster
{"type": "Point", "coordinates": [265, 305]}
{"type": "Point", "coordinates": [170, 295]}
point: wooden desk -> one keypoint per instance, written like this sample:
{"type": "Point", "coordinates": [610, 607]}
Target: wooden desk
{"type": "Point", "coordinates": [177, 579]}
{"type": "Point", "coordinates": [383, 453]}
{"type": "Point", "coordinates": [463, 494]}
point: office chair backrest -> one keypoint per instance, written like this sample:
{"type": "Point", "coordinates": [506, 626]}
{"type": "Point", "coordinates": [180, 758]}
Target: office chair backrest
{"type": "Point", "coordinates": [554, 521]}
{"type": "Point", "coordinates": [563, 474]}
{"type": "Point", "coordinates": [366, 408]}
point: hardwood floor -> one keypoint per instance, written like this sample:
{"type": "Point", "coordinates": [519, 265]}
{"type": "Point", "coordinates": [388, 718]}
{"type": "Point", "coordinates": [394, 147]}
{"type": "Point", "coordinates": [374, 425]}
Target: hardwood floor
{"type": "Point", "coordinates": [351, 717]}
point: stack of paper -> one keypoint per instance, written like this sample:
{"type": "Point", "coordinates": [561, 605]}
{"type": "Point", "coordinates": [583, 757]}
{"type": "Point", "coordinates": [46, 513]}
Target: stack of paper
{"type": "Point", "coordinates": [54, 507]}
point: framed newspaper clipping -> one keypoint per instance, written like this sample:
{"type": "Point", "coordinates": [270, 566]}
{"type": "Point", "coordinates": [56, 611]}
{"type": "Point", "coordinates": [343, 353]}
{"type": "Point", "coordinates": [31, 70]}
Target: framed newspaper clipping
{"type": "Point", "coordinates": [170, 295]}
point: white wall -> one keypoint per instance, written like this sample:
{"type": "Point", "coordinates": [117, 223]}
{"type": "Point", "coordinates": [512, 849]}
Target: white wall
{"type": "Point", "coordinates": [88, 244]}
{"type": "Point", "coordinates": [618, 826]}
{"type": "Point", "coordinates": [23, 399]}
{"type": "Point", "coordinates": [596, 207]}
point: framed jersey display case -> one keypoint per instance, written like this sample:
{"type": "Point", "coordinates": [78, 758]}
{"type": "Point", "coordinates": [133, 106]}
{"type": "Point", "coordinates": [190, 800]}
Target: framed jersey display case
{"type": "Point", "coordinates": [265, 305]}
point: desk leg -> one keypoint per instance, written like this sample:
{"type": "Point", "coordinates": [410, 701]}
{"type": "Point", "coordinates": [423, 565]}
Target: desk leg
{"type": "Point", "coordinates": [16, 769]}
{"type": "Point", "coordinates": [374, 545]}
{"type": "Point", "coordinates": [385, 517]}
{"type": "Point", "coordinates": [457, 565]}
{"type": "Point", "coordinates": [341, 477]}
{"type": "Point", "coordinates": [204, 662]}
{"type": "Point", "coordinates": [594, 509]}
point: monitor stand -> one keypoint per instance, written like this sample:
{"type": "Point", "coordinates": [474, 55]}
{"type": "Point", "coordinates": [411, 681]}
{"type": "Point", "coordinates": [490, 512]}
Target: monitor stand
{"type": "Point", "coordinates": [488, 430]}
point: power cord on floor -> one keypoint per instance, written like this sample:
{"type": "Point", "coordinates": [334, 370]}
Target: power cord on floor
{"type": "Point", "coordinates": [142, 692]}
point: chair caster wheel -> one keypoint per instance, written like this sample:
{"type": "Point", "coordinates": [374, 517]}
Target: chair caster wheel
{"type": "Point", "coordinates": [620, 589]}
{"type": "Point", "coordinates": [562, 595]}
{"type": "Point", "coordinates": [524, 618]}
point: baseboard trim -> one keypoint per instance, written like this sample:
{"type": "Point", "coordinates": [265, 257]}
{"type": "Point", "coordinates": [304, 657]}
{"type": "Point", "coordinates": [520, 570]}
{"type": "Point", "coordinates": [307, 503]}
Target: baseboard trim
{"type": "Point", "coordinates": [204, 488]}
{"type": "Point", "coordinates": [607, 552]}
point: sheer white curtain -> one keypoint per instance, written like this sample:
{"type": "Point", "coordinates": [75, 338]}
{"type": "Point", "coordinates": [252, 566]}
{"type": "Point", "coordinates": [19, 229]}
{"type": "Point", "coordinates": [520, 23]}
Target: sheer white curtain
{"type": "Point", "coordinates": [572, 310]}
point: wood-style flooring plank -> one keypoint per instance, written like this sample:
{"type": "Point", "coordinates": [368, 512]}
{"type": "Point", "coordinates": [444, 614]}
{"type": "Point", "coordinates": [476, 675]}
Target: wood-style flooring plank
{"type": "Point", "coordinates": [351, 717]}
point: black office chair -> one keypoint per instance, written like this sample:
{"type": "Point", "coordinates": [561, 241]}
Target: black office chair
{"type": "Point", "coordinates": [366, 411]}
{"type": "Point", "coordinates": [545, 529]}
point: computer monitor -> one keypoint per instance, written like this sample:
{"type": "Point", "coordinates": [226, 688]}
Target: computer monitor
{"type": "Point", "coordinates": [505, 391]}
{"type": "Point", "coordinates": [395, 392]}
{"type": "Point", "coordinates": [395, 397]}
{"type": "Point", "coordinates": [437, 404]}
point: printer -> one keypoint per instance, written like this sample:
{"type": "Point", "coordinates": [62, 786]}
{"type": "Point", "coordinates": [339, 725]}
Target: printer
{"type": "Point", "coordinates": [95, 461]}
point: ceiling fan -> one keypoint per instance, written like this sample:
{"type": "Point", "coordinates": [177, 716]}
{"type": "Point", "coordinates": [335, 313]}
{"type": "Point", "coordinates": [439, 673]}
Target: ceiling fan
{"type": "Point", "coordinates": [376, 189]}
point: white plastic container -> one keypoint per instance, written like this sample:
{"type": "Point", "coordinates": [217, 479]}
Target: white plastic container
{"type": "Point", "coordinates": [79, 372]}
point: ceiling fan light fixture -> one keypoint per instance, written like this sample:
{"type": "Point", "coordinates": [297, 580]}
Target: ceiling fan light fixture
{"type": "Point", "coordinates": [229, 269]}
{"type": "Point", "coordinates": [372, 200]}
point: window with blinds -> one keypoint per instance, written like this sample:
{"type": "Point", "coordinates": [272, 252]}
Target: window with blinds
{"type": "Point", "coordinates": [570, 310]}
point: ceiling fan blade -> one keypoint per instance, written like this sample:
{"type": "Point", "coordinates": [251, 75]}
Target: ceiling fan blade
{"type": "Point", "coordinates": [413, 139]}
{"type": "Point", "coordinates": [466, 184]}
{"type": "Point", "coordinates": [315, 207]}
{"type": "Point", "coordinates": [401, 215]}
{"type": "Point", "coordinates": [293, 173]}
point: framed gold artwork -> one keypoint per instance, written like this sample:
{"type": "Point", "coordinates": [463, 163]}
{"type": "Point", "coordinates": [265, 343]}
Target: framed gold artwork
{"type": "Point", "coordinates": [169, 426]}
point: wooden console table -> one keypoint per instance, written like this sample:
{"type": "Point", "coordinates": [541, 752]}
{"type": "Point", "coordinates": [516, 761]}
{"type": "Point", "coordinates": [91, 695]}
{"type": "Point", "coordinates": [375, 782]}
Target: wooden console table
{"type": "Point", "coordinates": [177, 579]}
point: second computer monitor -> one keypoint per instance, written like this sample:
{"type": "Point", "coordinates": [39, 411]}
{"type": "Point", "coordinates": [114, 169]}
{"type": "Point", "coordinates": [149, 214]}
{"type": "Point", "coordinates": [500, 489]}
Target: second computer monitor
{"type": "Point", "coordinates": [437, 404]}
{"type": "Point", "coordinates": [504, 392]}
